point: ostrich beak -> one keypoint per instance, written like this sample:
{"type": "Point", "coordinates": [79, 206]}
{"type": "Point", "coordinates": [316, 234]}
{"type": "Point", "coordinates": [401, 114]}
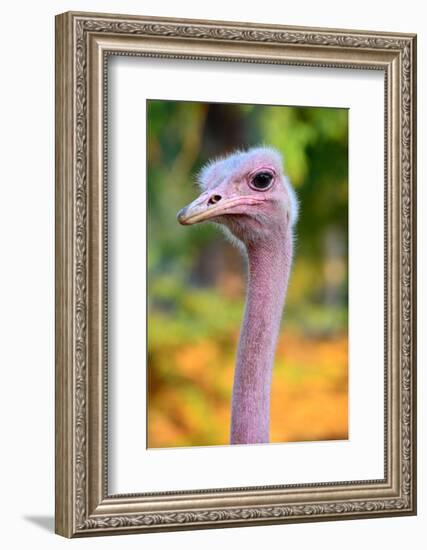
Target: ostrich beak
{"type": "Point", "coordinates": [211, 205]}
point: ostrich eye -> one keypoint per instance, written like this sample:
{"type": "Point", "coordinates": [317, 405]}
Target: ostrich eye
{"type": "Point", "coordinates": [262, 180]}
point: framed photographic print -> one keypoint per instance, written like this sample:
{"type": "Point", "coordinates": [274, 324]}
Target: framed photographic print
{"type": "Point", "coordinates": [235, 274]}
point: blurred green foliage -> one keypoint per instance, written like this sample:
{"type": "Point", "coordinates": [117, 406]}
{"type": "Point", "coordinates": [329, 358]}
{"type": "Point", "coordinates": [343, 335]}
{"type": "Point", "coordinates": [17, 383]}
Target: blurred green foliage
{"type": "Point", "coordinates": [196, 279]}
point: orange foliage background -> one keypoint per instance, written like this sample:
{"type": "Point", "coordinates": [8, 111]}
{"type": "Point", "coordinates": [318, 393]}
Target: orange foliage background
{"type": "Point", "coordinates": [309, 393]}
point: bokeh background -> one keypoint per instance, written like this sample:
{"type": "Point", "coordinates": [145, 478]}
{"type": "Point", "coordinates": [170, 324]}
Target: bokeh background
{"type": "Point", "coordinates": [196, 279]}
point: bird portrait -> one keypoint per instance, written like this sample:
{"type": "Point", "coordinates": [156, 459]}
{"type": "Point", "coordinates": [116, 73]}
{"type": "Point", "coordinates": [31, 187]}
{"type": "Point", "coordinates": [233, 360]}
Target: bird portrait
{"type": "Point", "coordinates": [247, 274]}
{"type": "Point", "coordinates": [249, 196]}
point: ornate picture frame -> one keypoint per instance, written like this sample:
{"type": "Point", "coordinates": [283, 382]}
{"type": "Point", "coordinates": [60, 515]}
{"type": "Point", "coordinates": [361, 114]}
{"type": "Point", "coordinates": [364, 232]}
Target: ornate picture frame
{"type": "Point", "coordinates": [84, 42]}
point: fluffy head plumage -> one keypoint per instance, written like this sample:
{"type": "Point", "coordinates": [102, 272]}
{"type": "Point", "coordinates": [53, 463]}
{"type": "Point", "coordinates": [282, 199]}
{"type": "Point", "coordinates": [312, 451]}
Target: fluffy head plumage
{"type": "Point", "coordinates": [216, 171]}
{"type": "Point", "coordinates": [248, 194]}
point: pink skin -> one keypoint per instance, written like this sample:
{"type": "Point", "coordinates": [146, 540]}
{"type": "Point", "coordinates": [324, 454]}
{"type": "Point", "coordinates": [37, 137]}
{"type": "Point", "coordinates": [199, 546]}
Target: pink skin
{"type": "Point", "coordinates": [261, 221]}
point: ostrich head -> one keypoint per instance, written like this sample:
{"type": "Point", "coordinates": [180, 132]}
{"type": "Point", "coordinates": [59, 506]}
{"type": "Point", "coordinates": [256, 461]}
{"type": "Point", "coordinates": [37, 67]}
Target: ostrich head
{"type": "Point", "coordinates": [246, 193]}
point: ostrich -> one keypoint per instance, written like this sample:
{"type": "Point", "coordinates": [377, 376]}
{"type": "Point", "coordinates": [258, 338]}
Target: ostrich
{"type": "Point", "coordinates": [248, 194]}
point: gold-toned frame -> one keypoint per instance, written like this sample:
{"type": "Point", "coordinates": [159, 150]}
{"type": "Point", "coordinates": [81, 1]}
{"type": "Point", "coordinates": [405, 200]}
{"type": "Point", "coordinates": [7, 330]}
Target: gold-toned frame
{"type": "Point", "coordinates": [83, 43]}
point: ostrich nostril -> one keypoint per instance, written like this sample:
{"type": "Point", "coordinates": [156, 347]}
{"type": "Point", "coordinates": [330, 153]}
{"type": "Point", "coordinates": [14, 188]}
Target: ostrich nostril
{"type": "Point", "coordinates": [214, 199]}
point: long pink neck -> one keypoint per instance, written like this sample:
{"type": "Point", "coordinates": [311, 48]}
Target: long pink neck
{"type": "Point", "coordinates": [268, 272]}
